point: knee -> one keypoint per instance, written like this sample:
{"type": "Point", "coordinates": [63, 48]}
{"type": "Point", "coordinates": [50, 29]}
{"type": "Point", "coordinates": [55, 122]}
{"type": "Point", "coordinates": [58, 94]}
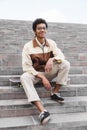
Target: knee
{"type": "Point", "coordinates": [25, 76]}
{"type": "Point", "coordinates": [66, 64]}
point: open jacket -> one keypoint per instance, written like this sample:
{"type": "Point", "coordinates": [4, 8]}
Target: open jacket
{"type": "Point", "coordinates": [34, 57]}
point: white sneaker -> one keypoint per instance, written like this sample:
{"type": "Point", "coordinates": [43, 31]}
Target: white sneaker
{"type": "Point", "coordinates": [44, 117]}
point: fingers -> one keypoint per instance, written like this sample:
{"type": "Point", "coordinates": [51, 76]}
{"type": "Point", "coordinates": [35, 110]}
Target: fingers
{"type": "Point", "coordinates": [48, 69]}
{"type": "Point", "coordinates": [49, 66]}
{"type": "Point", "coordinates": [47, 84]}
{"type": "Point", "coordinates": [48, 87]}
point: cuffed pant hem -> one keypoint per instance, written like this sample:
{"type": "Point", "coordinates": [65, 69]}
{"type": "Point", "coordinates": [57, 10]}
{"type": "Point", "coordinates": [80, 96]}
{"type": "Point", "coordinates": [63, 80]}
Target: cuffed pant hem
{"type": "Point", "coordinates": [31, 100]}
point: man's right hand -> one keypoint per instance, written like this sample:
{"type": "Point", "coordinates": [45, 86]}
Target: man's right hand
{"type": "Point", "coordinates": [45, 81]}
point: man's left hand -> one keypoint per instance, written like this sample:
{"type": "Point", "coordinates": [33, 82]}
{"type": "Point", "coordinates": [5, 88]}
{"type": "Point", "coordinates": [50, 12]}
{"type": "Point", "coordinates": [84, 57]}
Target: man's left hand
{"type": "Point", "coordinates": [49, 65]}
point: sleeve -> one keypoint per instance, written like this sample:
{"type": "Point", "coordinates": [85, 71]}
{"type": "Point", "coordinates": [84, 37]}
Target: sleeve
{"type": "Point", "coordinates": [27, 62]}
{"type": "Point", "coordinates": [58, 55]}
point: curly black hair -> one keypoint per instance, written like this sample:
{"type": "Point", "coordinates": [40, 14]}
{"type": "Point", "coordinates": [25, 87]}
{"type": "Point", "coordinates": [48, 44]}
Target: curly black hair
{"type": "Point", "coordinates": [38, 21]}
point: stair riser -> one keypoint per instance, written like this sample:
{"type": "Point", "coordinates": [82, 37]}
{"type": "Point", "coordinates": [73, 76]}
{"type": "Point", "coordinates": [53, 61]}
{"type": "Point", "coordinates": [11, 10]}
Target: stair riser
{"type": "Point", "coordinates": [74, 70]}
{"type": "Point", "coordinates": [16, 112]}
{"type": "Point", "coordinates": [74, 79]}
{"type": "Point", "coordinates": [80, 79]}
{"type": "Point", "coordinates": [5, 96]}
{"type": "Point", "coordinates": [78, 70]}
{"type": "Point", "coordinates": [68, 92]}
{"type": "Point", "coordinates": [74, 93]}
{"type": "Point", "coordinates": [59, 126]}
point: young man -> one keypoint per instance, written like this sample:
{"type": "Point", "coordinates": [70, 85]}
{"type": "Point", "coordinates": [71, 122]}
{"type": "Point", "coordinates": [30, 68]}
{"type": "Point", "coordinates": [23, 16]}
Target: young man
{"type": "Point", "coordinates": [42, 61]}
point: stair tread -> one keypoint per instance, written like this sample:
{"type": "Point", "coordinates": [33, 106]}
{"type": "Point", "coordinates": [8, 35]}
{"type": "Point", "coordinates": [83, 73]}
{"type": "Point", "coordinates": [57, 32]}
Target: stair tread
{"type": "Point", "coordinates": [45, 101]}
{"type": "Point", "coordinates": [16, 88]}
{"type": "Point", "coordinates": [73, 79]}
{"type": "Point", "coordinates": [69, 119]}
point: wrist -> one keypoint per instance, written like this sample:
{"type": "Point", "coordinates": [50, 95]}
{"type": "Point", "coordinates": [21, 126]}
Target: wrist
{"type": "Point", "coordinates": [40, 76]}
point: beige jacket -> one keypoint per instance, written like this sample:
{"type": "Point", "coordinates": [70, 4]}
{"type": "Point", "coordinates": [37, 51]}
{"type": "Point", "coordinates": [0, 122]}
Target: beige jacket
{"type": "Point", "coordinates": [34, 58]}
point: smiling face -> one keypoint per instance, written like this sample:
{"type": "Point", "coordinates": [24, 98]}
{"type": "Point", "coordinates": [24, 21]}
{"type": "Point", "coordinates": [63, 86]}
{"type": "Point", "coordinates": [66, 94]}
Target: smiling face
{"type": "Point", "coordinates": [41, 30]}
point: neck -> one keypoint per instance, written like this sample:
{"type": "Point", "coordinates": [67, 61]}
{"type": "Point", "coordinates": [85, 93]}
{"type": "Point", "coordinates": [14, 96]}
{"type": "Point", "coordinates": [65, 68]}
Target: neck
{"type": "Point", "coordinates": [41, 40]}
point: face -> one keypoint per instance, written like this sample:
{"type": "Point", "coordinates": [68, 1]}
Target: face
{"type": "Point", "coordinates": [40, 31]}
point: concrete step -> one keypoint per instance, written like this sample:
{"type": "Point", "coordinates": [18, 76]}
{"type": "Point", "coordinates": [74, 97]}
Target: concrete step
{"type": "Point", "coordinates": [69, 121]}
{"type": "Point", "coordinates": [74, 90]}
{"type": "Point", "coordinates": [74, 62]}
{"type": "Point", "coordinates": [14, 92]}
{"type": "Point", "coordinates": [78, 79]}
{"type": "Point", "coordinates": [75, 69]}
{"type": "Point", "coordinates": [21, 107]}
{"type": "Point", "coordinates": [74, 79]}
{"type": "Point", "coordinates": [78, 70]}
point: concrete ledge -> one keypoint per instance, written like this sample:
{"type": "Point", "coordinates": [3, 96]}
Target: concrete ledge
{"type": "Point", "coordinates": [70, 120]}
{"type": "Point", "coordinates": [21, 107]}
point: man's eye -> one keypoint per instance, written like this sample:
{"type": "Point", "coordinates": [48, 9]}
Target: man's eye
{"type": "Point", "coordinates": [41, 28]}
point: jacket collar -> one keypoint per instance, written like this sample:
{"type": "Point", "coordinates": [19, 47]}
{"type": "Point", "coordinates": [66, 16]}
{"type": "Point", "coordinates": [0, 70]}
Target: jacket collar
{"type": "Point", "coordinates": [35, 44]}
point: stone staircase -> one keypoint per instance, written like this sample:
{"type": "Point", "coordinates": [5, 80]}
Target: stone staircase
{"type": "Point", "coordinates": [15, 111]}
{"type": "Point", "coordinates": [17, 114]}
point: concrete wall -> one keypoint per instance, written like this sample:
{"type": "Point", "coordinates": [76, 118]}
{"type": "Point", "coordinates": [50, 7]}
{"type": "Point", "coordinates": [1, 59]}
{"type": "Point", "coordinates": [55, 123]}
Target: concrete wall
{"type": "Point", "coordinates": [71, 38]}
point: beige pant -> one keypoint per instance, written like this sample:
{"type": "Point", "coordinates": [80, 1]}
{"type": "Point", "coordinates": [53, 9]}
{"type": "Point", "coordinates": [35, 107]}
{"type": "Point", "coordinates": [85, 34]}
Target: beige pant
{"type": "Point", "coordinates": [60, 71]}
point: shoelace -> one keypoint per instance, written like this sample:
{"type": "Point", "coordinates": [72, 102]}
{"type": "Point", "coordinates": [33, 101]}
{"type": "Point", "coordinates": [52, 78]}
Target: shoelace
{"type": "Point", "coordinates": [42, 113]}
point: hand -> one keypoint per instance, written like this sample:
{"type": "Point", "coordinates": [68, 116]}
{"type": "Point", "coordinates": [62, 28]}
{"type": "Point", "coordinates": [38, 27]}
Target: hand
{"type": "Point", "coordinates": [45, 81]}
{"type": "Point", "coordinates": [49, 65]}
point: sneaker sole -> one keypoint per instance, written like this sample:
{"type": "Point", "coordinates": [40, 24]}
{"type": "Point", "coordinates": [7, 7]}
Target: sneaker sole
{"type": "Point", "coordinates": [59, 101]}
{"type": "Point", "coordinates": [45, 120]}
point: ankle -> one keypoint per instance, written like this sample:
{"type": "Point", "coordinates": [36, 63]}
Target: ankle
{"type": "Point", "coordinates": [56, 88]}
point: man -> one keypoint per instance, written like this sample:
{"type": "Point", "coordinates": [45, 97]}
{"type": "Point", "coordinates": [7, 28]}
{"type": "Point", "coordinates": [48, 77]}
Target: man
{"type": "Point", "coordinates": [42, 61]}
